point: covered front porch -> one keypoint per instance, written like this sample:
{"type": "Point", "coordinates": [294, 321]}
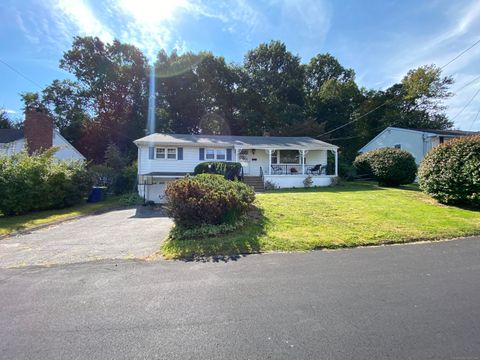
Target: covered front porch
{"type": "Point", "coordinates": [289, 166]}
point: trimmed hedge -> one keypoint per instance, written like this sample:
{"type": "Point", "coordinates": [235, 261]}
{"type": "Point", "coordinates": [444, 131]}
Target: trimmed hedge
{"type": "Point", "coordinates": [40, 182]}
{"type": "Point", "coordinates": [390, 166]}
{"type": "Point", "coordinates": [450, 172]}
{"type": "Point", "coordinates": [207, 199]}
{"type": "Point", "coordinates": [230, 170]}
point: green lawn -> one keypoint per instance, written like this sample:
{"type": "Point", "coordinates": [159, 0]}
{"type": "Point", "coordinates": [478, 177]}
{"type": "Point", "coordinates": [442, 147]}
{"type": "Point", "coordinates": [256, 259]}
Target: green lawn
{"type": "Point", "coordinates": [350, 214]}
{"type": "Point", "coordinates": [10, 224]}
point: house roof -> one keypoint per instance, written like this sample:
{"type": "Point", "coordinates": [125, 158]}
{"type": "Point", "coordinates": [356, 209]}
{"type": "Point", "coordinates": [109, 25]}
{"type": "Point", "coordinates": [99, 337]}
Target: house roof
{"type": "Point", "coordinates": [453, 133]}
{"type": "Point", "coordinates": [10, 135]}
{"type": "Point", "coordinates": [257, 142]}
{"type": "Point", "coordinates": [442, 132]}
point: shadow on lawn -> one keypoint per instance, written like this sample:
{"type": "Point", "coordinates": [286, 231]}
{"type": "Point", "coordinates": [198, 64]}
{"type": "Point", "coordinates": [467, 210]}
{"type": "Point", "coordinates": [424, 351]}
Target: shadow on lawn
{"type": "Point", "coordinates": [227, 247]}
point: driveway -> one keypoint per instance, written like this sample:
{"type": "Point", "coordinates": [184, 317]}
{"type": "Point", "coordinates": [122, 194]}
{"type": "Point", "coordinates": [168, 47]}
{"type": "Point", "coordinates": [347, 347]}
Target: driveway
{"type": "Point", "coordinates": [119, 234]}
{"type": "Point", "coordinates": [418, 301]}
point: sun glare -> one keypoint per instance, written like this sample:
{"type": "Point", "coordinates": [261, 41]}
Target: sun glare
{"type": "Point", "coordinates": [151, 12]}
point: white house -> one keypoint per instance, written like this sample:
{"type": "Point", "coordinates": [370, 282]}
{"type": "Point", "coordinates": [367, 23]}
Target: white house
{"type": "Point", "coordinates": [284, 161]}
{"type": "Point", "coordinates": [416, 141]}
{"type": "Point", "coordinates": [37, 133]}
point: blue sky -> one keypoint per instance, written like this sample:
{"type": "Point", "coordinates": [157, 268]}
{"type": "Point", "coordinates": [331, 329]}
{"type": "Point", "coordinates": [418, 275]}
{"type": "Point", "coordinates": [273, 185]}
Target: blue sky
{"type": "Point", "coordinates": [381, 40]}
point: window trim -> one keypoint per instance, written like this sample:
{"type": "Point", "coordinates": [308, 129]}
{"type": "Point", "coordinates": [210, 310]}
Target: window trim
{"type": "Point", "coordinates": [165, 149]}
{"type": "Point", "coordinates": [215, 154]}
{"type": "Point", "coordinates": [279, 157]}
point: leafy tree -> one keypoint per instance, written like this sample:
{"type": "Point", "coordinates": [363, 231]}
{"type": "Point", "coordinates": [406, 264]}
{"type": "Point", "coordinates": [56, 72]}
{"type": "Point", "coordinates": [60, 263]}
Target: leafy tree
{"type": "Point", "coordinates": [67, 104]}
{"type": "Point", "coordinates": [271, 95]}
{"type": "Point", "coordinates": [5, 122]}
{"type": "Point", "coordinates": [113, 83]}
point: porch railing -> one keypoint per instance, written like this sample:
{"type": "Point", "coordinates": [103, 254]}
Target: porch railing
{"type": "Point", "coordinates": [296, 169]}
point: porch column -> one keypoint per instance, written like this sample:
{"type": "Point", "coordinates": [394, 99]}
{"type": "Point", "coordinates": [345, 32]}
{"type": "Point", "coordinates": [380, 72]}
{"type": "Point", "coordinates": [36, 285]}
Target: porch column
{"type": "Point", "coordinates": [236, 154]}
{"type": "Point", "coordinates": [269, 161]}
{"type": "Point", "coordinates": [303, 161]}
{"type": "Point", "coordinates": [336, 162]}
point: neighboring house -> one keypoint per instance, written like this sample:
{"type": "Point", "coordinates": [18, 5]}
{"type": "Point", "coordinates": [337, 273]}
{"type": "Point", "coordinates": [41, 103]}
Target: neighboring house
{"type": "Point", "coordinates": [416, 141]}
{"type": "Point", "coordinates": [284, 161]}
{"type": "Point", "coordinates": [37, 133]}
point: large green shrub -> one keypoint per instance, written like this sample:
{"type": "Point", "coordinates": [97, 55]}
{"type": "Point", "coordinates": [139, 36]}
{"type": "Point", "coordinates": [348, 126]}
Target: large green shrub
{"type": "Point", "coordinates": [391, 167]}
{"type": "Point", "coordinates": [39, 182]}
{"type": "Point", "coordinates": [230, 170]}
{"type": "Point", "coordinates": [207, 199]}
{"type": "Point", "coordinates": [450, 172]}
{"type": "Point", "coordinates": [118, 181]}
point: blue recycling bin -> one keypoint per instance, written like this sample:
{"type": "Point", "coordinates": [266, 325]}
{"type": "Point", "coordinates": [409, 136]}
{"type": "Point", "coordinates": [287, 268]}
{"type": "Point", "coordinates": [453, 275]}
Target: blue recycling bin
{"type": "Point", "coordinates": [97, 194]}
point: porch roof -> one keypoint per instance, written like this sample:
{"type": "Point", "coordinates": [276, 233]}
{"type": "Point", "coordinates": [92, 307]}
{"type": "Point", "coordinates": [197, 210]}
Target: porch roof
{"type": "Point", "coordinates": [239, 142]}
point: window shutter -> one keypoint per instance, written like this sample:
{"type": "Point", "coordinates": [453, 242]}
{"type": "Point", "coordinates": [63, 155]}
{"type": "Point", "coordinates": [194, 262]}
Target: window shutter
{"type": "Point", "coordinates": [180, 153]}
{"type": "Point", "coordinates": [201, 154]}
{"type": "Point", "coordinates": [151, 153]}
{"type": "Point", "coordinates": [229, 154]}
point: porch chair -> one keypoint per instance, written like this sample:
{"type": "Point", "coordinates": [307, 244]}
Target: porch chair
{"type": "Point", "coordinates": [277, 170]}
{"type": "Point", "coordinates": [315, 169]}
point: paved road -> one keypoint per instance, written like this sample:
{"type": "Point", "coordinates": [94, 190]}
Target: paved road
{"type": "Point", "coordinates": [119, 234]}
{"type": "Point", "coordinates": [418, 301]}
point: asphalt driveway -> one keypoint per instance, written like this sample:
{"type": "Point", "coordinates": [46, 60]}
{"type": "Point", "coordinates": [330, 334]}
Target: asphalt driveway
{"type": "Point", "coordinates": [119, 234]}
{"type": "Point", "coordinates": [417, 301]}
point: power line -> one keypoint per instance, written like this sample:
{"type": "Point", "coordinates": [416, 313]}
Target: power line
{"type": "Point", "coordinates": [466, 105]}
{"type": "Point", "coordinates": [474, 119]}
{"type": "Point", "coordinates": [21, 74]}
{"type": "Point", "coordinates": [468, 84]}
{"type": "Point", "coordinates": [459, 55]}
{"type": "Point", "coordinates": [378, 107]}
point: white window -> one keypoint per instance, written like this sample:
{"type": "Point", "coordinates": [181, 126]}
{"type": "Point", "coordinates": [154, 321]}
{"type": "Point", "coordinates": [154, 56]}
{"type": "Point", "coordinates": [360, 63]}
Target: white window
{"type": "Point", "coordinates": [160, 153]}
{"type": "Point", "coordinates": [215, 154]}
{"type": "Point", "coordinates": [172, 154]}
{"type": "Point", "coordinates": [210, 154]}
{"type": "Point", "coordinates": [221, 154]}
{"type": "Point", "coordinates": [166, 153]}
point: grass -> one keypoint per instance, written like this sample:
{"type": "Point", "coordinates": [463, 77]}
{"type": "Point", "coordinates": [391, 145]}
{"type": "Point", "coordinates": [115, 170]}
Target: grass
{"type": "Point", "coordinates": [9, 224]}
{"type": "Point", "coordinates": [348, 215]}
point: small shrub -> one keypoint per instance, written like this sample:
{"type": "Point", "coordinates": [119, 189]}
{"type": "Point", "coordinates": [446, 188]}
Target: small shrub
{"type": "Point", "coordinates": [40, 182]}
{"type": "Point", "coordinates": [270, 185]}
{"type": "Point", "coordinates": [308, 181]}
{"type": "Point", "coordinates": [346, 171]}
{"type": "Point", "coordinates": [450, 172]}
{"type": "Point", "coordinates": [131, 199]}
{"type": "Point", "coordinates": [230, 170]}
{"type": "Point", "coordinates": [391, 167]}
{"type": "Point", "coordinates": [207, 199]}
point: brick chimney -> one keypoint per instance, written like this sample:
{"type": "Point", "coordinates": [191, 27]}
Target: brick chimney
{"type": "Point", "coordinates": [38, 130]}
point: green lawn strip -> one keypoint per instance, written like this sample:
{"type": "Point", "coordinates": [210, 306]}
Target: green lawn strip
{"type": "Point", "coordinates": [351, 214]}
{"type": "Point", "coordinates": [9, 224]}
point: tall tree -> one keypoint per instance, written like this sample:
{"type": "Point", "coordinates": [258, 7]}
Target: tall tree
{"type": "Point", "coordinates": [271, 95]}
{"type": "Point", "coordinates": [113, 81]}
{"type": "Point", "coordinates": [332, 94]}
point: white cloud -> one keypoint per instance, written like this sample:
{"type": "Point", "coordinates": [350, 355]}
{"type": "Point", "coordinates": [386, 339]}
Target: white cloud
{"type": "Point", "coordinates": [9, 111]}
{"type": "Point", "coordinates": [81, 15]}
